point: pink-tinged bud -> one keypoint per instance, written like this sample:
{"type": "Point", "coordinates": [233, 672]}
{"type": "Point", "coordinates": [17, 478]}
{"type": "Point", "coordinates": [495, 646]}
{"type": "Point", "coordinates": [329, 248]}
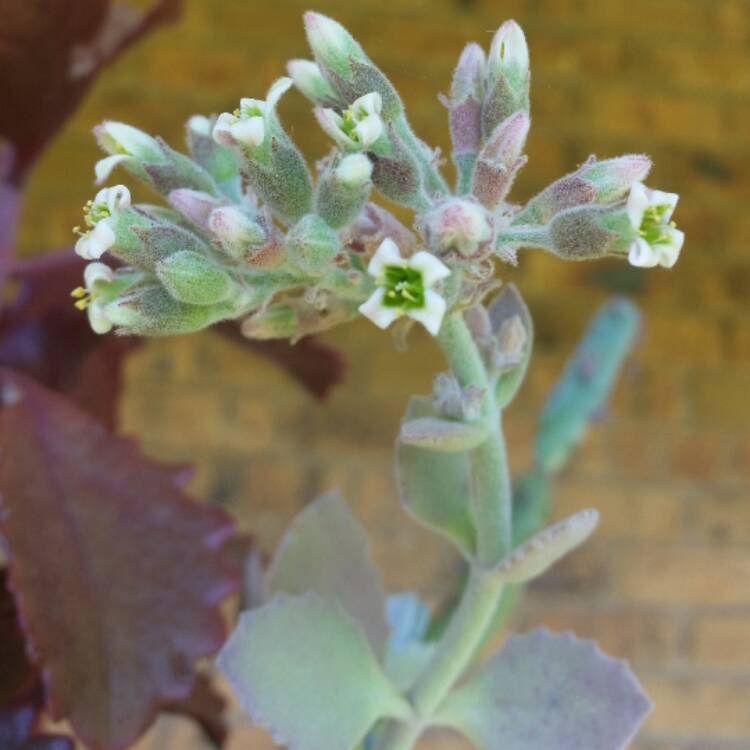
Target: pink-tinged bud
{"type": "Point", "coordinates": [237, 233]}
{"type": "Point", "coordinates": [458, 225]}
{"type": "Point", "coordinates": [613, 178]}
{"type": "Point", "coordinates": [468, 77]}
{"type": "Point", "coordinates": [500, 160]}
{"type": "Point", "coordinates": [194, 205]}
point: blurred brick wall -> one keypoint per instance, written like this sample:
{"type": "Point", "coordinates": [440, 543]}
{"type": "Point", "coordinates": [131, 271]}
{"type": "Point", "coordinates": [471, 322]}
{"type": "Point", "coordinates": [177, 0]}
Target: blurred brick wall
{"type": "Point", "coordinates": [666, 581]}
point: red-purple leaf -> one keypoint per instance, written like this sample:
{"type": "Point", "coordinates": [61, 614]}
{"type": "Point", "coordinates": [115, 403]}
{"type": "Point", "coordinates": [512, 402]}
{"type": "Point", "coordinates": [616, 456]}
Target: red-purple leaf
{"type": "Point", "coordinates": [17, 722]}
{"type": "Point", "coordinates": [317, 366]}
{"type": "Point", "coordinates": [117, 574]}
{"type": "Point", "coordinates": [50, 53]}
{"type": "Point", "coordinates": [43, 335]}
{"type": "Point", "coordinates": [17, 675]}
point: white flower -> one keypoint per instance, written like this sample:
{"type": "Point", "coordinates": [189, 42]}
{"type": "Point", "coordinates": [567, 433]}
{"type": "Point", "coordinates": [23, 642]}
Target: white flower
{"type": "Point", "coordinates": [658, 242]}
{"type": "Point", "coordinates": [358, 127]}
{"type": "Point", "coordinates": [403, 288]}
{"type": "Point", "coordinates": [247, 125]}
{"type": "Point", "coordinates": [123, 143]}
{"type": "Point", "coordinates": [88, 297]}
{"type": "Point", "coordinates": [100, 216]}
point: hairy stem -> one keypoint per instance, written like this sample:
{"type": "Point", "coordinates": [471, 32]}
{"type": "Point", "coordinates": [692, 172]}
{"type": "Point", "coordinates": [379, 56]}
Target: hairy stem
{"type": "Point", "coordinates": [491, 505]}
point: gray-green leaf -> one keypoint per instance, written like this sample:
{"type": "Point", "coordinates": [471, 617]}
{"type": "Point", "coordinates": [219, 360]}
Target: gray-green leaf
{"type": "Point", "coordinates": [435, 487]}
{"type": "Point", "coordinates": [546, 547]}
{"type": "Point", "coordinates": [325, 550]}
{"type": "Point", "coordinates": [549, 692]}
{"type": "Point", "coordinates": [303, 669]}
{"type": "Point", "coordinates": [442, 435]}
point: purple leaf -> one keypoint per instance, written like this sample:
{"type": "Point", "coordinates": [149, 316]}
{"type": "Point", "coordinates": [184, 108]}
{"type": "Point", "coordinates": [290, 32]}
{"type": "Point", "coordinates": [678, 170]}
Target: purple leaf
{"type": "Point", "coordinates": [117, 574]}
{"type": "Point", "coordinates": [18, 674]}
{"type": "Point", "coordinates": [44, 336]}
{"type": "Point", "coordinates": [549, 692]}
{"type": "Point", "coordinates": [50, 53]}
{"type": "Point", "coordinates": [17, 723]}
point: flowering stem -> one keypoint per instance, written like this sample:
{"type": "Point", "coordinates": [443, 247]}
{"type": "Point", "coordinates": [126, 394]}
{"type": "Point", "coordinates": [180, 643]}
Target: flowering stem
{"type": "Point", "coordinates": [491, 504]}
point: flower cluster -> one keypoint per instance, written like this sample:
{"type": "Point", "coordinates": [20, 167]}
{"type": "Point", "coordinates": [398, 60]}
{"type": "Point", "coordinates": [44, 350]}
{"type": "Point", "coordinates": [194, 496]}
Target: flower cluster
{"type": "Point", "coordinates": [251, 233]}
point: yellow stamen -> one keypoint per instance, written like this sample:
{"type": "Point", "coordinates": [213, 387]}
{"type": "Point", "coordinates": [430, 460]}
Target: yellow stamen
{"type": "Point", "coordinates": [79, 292]}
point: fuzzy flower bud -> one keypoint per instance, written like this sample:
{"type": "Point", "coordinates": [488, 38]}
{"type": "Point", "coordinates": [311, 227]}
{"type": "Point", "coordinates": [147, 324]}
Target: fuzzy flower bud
{"type": "Point", "coordinates": [237, 233]}
{"type": "Point", "coordinates": [507, 78]}
{"type": "Point", "coordinates": [404, 287]}
{"type": "Point", "coordinates": [343, 189]}
{"type": "Point", "coordinates": [459, 225]}
{"type": "Point", "coordinates": [500, 160]}
{"type": "Point", "coordinates": [312, 245]}
{"type": "Point", "coordinates": [346, 67]}
{"type": "Point", "coordinates": [194, 205]}
{"type": "Point", "coordinates": [217, 160]}
{"type": "Point", "coordinates": [613, 179]}
{"type": "Point", "coordinates": [193, 278]}
{"type": "Point", "coordinates": [465, 102]}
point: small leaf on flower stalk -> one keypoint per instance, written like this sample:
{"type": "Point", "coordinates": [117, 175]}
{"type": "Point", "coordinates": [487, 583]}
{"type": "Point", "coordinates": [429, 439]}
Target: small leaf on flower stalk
{"type": "Point", "coordinates": [303, 669]}
{"type": "Point", "coordinates": [546, 547]}
{"type": "Point", "coordinates": [586, 382]}
{"type": "Point", "coordinates": [118, 585]}
{"type": "Point", "coordinates": [435, 487]}
{"type": "Point", "coordinates": [325, 551]}
{"type": "Point", "coordinates": [549, 692]}
{"type": "Point", "coordinates": [509, 304]}
{"type": "Point", "coordinates": [442, 435]}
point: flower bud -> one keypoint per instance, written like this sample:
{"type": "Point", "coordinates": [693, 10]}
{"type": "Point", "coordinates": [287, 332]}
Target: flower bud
{"type": "Point", "coordinates": [358, 127]}
{"type": "Point", "coordinates": [459, 225]}
{"type": "Point", "coordinates": [310, 82]}
{"type": "Point", "coordinates": [194, 205]}
{"type": "Point", "coordinates": [193, 278]}
{"type": "Point", "coordinates": [237, 233]}
{"type": "Point", "coordinates": [581, 233]}
{"type": "Point", "coordinates": [343, 189]}
{"type": "Point", "coordinates": [507, 78]}
{"type": "Point", "coordinates": [343, 62]}
{"type": "Point", "coordinates": [126, 145]}
{"type": "Point", "coordinates": [312, 245]}
{"type": "Point", "coordinates": [149, 310]}
{"type": "Point", "coordinates": [614, 178]}
{"type": "Point", "coordinates": [465, 103]}
{"type": "Point", "coordinates": [500, 160]}
{"type": "Point", "coordinates": [398, 175]}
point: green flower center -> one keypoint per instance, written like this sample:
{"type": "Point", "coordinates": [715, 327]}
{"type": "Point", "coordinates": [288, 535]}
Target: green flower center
{"type": "Point", "coordinates": [404, 288]}
{"type": "Point", "coordinates": [93, 213]}
{"type": "Point", "coordinates": [653, 227]}
{"type": "Point", "coordinates": [349, 124]}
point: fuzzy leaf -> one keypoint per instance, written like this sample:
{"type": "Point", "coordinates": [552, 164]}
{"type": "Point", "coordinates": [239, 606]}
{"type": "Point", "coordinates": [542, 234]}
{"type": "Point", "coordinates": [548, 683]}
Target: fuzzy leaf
{"type": "Point", "coordinates": [545, 548]}
{"type": "Point", "coordinates": [325, 551]}
{"type": "Point", "coordinates": [434, 487]}
{"type": "Point", "coordinates": [549, 692]}
{"type": "Point", "coordinates": [116, 572]}
{"type": "Point", "coordinates": [16, 731]}
{"type": "Point", "coordinates": [442, 435]}
{"type": "Point", "coordinates": [586, 382]}
{"type": "Point", "coordinates": [303, 669]}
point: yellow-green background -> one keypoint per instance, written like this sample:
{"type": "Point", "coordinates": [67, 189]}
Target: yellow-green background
{"type": "Point", "coordinates": [666, 582]}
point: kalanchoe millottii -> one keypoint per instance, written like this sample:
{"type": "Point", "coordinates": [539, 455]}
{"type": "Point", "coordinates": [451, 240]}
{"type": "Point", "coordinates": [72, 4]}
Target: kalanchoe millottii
{"type": "Point", "coordinates": [251, 235]}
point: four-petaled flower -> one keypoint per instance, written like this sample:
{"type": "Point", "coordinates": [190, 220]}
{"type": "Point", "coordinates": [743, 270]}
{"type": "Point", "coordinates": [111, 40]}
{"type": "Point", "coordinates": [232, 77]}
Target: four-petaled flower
{"type": "Point", "coordinates": [248, 124]}
{"type": "Point", "coordinates": [657, 241]}
{"type": "Point", "coordinates": [404, 288]}
{"type": "Point", "coordinates": [357, 127]}
{"type": "Point", "coordinates": [96, 277]}
{"type": "Point", "coordinates": [100, 216]}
